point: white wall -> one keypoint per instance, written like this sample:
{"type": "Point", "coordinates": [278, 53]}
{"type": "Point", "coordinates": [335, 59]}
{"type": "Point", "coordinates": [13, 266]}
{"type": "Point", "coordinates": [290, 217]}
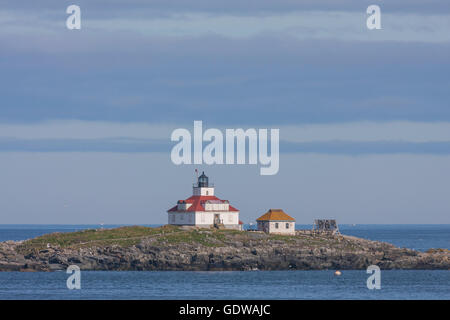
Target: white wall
{"type": "Point", "coordinates": [203, 191]}
{"type": "Point", "coordinates": [284, 227]}
{"type": "Point", "coordinates": [202, 218]}
{"type": "Point", "coordinates": [207, 217]}
{"type": "Point", "coordinates": [217, 206]}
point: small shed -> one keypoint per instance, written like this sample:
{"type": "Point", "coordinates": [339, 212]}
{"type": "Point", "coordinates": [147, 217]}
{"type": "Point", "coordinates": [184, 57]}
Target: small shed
{"type": "Point", "coordinates": [276, 221]}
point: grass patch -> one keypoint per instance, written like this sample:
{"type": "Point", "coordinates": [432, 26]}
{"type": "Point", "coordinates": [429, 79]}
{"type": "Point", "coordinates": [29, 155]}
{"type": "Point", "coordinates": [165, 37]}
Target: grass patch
{"type": "Point", "coordinates": [123, 236]}
{"type": "Point", "coordinates": [168, 234]}
{"type": "Point", "coordinates": [209, 238]}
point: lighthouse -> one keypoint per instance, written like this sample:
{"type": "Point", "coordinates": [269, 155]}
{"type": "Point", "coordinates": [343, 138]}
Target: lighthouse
{"type": "Point", "coordinates": [203, 209]}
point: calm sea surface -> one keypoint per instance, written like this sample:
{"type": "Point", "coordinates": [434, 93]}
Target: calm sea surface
{"type": "Point", "coordinates": [395, 284]}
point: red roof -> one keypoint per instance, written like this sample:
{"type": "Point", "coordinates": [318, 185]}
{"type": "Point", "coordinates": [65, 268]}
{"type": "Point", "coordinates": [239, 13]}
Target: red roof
{"type": "Point", "coordinates": [198, 203]}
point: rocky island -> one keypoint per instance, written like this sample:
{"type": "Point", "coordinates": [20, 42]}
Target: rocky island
{"type": "Point", "coordinates": [193, 249]}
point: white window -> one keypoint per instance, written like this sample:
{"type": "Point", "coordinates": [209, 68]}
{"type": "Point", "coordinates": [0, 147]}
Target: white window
{"type": "Point", "coordinates": [287, 225]}
{"type": "Point", "coordinates": [276, 225]}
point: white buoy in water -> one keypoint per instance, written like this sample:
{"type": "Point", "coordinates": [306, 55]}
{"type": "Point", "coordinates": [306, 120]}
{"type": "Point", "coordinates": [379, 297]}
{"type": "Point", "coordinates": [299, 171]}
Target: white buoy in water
{"type": "Point", "coordinates": [338, 273]}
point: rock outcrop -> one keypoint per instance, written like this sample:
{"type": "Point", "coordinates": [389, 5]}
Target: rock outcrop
{"type": "Point", "coordinates": [202, 250]}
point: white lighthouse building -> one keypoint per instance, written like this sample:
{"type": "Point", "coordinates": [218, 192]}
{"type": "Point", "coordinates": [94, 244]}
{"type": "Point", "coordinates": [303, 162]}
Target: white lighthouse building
{"type": "Point", "coordinates": [204, 209]}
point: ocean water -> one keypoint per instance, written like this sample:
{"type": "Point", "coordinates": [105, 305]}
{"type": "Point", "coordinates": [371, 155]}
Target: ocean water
{"type": "Point", "coordinates": [395, 284]}
{"type": "Point", "coordinates": [226, 285]}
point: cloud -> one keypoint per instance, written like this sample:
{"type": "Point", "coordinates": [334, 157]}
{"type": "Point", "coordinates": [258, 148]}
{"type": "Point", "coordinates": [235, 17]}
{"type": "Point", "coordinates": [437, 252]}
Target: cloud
{"type": "Point", "coordinates": [288, 67]}
{"type": "Point", "coordinates": [301, 25]}
{"type": "Point", "coordinates": [263, 80]}
{"type": "Point", "coordinates": [351, 131]}
{"type": "Point", "coordinates": [368, 147]}
{"type": "Point", "coordinates": [158, 146]}
{"type": "Point", "coordinates": [85, 130]}
{"type": "Point", "coordinates": [365, 131]}
{"type": "Point", "coordinates": [117, 8]}
{"type": "Point", "coordinates": [347, 138]}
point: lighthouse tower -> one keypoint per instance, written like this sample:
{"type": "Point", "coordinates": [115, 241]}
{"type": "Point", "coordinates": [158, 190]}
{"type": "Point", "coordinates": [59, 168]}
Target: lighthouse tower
{"type": "Point", "coordinates": [204, 209]}
{"type": "Point", "coordinates": [202, 187]}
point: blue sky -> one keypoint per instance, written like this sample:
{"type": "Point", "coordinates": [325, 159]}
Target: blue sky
{"type": "Point", "coordinates": [86, 115]}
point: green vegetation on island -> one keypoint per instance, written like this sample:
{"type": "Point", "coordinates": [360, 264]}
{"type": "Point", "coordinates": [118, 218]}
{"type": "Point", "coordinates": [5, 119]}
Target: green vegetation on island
{"type": "Point", "coordinates": [168, 234]}
{"type": "Point", "coordinates": [181, 248]}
